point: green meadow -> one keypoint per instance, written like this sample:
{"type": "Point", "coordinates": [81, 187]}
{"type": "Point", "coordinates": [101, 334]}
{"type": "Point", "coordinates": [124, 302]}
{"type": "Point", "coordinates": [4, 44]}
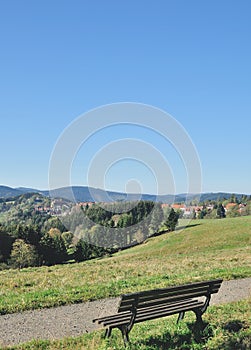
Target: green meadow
{"type": "Point", "coordinates": [204, 250]}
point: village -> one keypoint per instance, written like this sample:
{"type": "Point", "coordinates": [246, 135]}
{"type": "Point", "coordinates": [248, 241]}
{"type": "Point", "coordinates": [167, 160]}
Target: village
{"type": "Point", "coordinates": [61, 207]}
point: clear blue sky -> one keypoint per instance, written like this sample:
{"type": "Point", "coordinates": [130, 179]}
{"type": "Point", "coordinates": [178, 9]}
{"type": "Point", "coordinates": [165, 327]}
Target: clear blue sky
{"type": "Point", "coordinates": [61, 58]}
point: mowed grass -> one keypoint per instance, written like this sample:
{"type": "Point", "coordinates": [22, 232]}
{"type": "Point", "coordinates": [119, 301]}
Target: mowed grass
{"type": "Point", "coordinates": [206, 249]}
{"type": "Point", "coordinates": [227, 327]}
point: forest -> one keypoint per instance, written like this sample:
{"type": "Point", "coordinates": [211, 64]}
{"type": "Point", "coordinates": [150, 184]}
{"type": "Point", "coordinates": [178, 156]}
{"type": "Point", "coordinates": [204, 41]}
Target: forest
{"type": "Point", "coordinates": [32, 237]}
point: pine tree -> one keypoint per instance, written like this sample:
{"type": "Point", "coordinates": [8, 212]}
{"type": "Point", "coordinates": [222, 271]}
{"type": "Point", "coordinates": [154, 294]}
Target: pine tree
{"type": "Point", "coordinates": [221, 212]}
{"type": "Point", "coordinates": [172, 220]}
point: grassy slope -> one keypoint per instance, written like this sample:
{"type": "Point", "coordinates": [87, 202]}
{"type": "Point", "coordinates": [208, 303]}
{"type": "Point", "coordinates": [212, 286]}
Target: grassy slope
{"type": "Point", "coordinates": [211, 249]}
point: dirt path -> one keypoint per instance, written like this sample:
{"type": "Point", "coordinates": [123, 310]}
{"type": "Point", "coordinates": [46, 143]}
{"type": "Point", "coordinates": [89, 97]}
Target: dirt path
{"type": "Point", "coordinates": [74, 320]}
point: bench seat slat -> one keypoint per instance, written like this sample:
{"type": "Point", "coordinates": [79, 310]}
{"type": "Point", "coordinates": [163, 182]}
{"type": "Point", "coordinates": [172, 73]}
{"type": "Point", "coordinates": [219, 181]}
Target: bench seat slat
{"type": "Point", "coordinates": [151, 315]}
{"type": "Point", "coordinates": [113, 317]}
{"type": "Point", "coordinates": [167, 312]}
{"type": "Point", "coordinates": [151, 308]}
{"type": "Point", "coordinates": [168, 306]}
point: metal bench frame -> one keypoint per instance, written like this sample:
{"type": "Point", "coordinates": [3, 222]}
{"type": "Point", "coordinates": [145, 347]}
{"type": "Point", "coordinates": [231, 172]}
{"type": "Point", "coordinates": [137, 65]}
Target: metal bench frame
{"type": "Point", "coordinates": [148, 305]}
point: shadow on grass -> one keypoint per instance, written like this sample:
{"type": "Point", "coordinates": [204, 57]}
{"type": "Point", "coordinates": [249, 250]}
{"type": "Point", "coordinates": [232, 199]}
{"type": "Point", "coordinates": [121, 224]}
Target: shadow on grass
{"type": "Point", "coordinates": [196, 335]}
{"type": "Point", "coordinates": [156, 234]}
{"type": "Point", "coordinates": [234, 326]}
{"type": "Point", "coordinates": [181, 339]}
{"type": "Point", "coordinates": [186, 226]}
{"type": "Point", "coordinates": [238, 338]}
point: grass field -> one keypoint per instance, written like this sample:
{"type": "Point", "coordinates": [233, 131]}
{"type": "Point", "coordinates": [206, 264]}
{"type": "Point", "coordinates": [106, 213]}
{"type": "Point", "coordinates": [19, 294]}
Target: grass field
{"type": "Point", "coordinates": [207, 249]}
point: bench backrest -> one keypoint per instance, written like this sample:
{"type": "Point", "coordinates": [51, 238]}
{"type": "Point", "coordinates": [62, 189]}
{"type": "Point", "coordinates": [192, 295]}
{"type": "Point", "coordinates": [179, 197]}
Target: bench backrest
{"type": "Point", "coordinates": [168, 295]}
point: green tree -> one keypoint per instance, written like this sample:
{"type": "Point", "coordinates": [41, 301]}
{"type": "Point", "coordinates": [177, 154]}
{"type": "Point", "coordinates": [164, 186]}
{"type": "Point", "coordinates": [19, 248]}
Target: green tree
{"type": "Point", "coordinates": [30, 234]}
{"type": "Point", "coordinates": [67, 238]}
{"type": "Point", "coordinates": [202, 213]}
{"type": "Point", "coordinates": [221, 212]}
{"type": "Point", "coordinates": [83, 251]}
{"type": "Point", "coordinates": [6, 242]}
{"type": "Point", "coordinates": [244, 198]}
{"type": "Point", "coordinates": [53, 247]}
{"type": "Point", "coordinates": [125, 220]}
{"type": "Point", "coordinates": [233, 198]}
{"type": "Point", "coordinates": [23, 254]}
{"type": "Point", "coordinates": [172, 220]}
{"type": "Point", "coordinates": [156, 218]}
{"type": "Point", "coordinates": [54, 222]}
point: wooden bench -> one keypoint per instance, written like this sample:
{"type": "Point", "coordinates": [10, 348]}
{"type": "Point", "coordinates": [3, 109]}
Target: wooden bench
{"type": "Point", "coordinates": [152, 304]}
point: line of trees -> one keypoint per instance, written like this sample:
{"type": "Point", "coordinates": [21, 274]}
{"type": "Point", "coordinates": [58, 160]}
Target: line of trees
{"type": "Point", "coordinates": [96, 231]}
{"type": "Point", "coordinates": [119, 224]}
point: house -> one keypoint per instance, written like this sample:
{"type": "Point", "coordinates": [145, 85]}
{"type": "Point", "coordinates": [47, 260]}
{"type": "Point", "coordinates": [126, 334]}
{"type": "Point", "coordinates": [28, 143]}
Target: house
{"type": "Point", "coordinates": [230, 206]}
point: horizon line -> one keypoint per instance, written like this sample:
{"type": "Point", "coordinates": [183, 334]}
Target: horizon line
{"type": "Point", "coordinates": [123, 192]}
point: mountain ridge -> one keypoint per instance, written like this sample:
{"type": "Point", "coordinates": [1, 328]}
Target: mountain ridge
{"type": "Point", "coordinates": [90, 194]}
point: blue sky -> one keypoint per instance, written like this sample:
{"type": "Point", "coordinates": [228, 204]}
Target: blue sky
{"type": "Point", "coordinates": [60, 59]}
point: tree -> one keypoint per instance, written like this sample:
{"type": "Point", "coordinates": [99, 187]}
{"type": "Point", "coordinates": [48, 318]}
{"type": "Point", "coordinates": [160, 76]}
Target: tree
{"type": "Point", "coordinates": [221, 212]}
{"type": "Point", "coordinates": [67, 238]}
{"type": "Point", "coordinates": [202, 213]}
{"type": "Point", "coordinates": [83, 251]}
{"type": "Point", "coordinates": [6, 242]}
{"type": "Point", "coordinates": [30, 234]}
{"type": "Point", "coordinates": [125, 220]}
{"type": "Point", "coordinates": [172, 220]}
{"type": "Point", "coordinates": [23, 254]}
{"type": "Point", "coordinates": [139, 236]}
{"type": "Point", "coordinates": [54, 232]}
{"type": "Point", "coordinates": [54, 222]}
{"type": "Point", "coordinates": [244, 198]}
{"type": "Point", "coordinates": [233, 198]}
{"type": "Point", "coordinates": [53, 247]}
{"type": "Point", "coordinates": [156, 218]}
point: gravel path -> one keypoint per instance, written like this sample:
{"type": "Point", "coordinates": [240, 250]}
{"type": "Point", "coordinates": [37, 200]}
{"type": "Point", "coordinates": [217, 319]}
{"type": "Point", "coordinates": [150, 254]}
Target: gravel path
{"type": "Point", "coordinates": [74, 320]}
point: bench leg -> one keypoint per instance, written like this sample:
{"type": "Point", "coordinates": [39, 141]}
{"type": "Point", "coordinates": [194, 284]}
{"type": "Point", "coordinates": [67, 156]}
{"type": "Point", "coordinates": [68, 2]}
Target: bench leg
{"type": "Point", "coordinates": [108, 332]}
{"type": "Point", "coordinates": [198, 314]}
{"type": "Point", "coordinates": [181, 316]}
{"type": "Point", "coordinates": [125, 335]}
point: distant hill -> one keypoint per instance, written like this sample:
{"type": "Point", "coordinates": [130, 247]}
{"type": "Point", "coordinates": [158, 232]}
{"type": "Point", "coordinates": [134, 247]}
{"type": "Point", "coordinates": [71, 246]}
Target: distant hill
{"type": "Point", "coordinates": [31, 190]}
{"type": "Point", "coordinates": [6, 192]}
{"type": "Point", "coordinates": [218, 196]}
{"type": "Point", "coordinates": [89, 194]}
